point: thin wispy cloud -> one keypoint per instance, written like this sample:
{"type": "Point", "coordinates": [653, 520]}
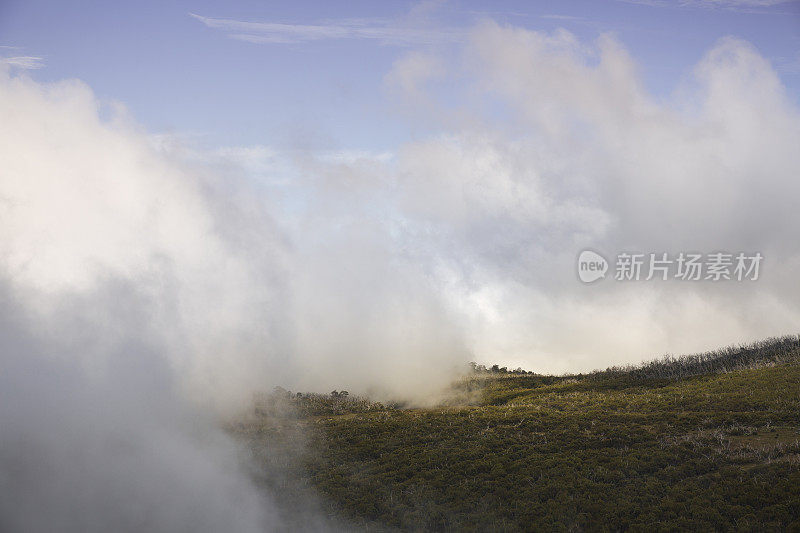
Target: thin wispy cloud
{"type": "Point", "coordinates": [560, 17]}
{"type": "Point", "coordinates": [738, 3]}
{"type": "Point", "coordinates": [23, 62]}
{"type": "Point", "coordinates": [745, 6]}
{"type": "Point", "coordinates": [789, 65]}
{"type": "Point", "coordinates": [382, 30]}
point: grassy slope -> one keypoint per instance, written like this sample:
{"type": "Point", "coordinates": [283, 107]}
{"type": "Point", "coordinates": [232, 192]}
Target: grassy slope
{"type": "Point", "coordinates": [605, 451]}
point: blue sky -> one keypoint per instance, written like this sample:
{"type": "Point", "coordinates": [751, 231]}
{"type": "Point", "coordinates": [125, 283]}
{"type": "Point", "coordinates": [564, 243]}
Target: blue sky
{"type": "Point", "coordinates": [318, 81]}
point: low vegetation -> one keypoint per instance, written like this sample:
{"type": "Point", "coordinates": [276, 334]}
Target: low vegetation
{"type": "Point", "coordinates": [705, 442]}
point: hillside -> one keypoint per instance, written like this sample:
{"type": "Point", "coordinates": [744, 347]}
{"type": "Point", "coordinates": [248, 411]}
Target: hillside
{"type": "Point", "coordinates": [708, 442]}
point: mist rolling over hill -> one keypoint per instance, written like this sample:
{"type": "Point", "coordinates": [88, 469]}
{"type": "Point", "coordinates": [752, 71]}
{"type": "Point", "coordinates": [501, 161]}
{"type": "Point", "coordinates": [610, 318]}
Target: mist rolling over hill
{"type": "Point", "coordinates": [706, 442]}
{"type": "Point", "coordinates": [204, 207]}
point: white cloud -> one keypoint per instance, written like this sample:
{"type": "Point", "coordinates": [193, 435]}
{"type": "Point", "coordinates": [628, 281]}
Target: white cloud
{"type": "Point", "coordinates": [147, 290]}
{"type": "Point", "coordinates": [584, 157]}
{"type": "Point", "coordinates": [410, 74]}
{"type": "Point", "coordinates": [85, 201]}
{"type": "Point", "coordinates": [128, 299]}
{"type": "Point", "coordinates": [557, 146]}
